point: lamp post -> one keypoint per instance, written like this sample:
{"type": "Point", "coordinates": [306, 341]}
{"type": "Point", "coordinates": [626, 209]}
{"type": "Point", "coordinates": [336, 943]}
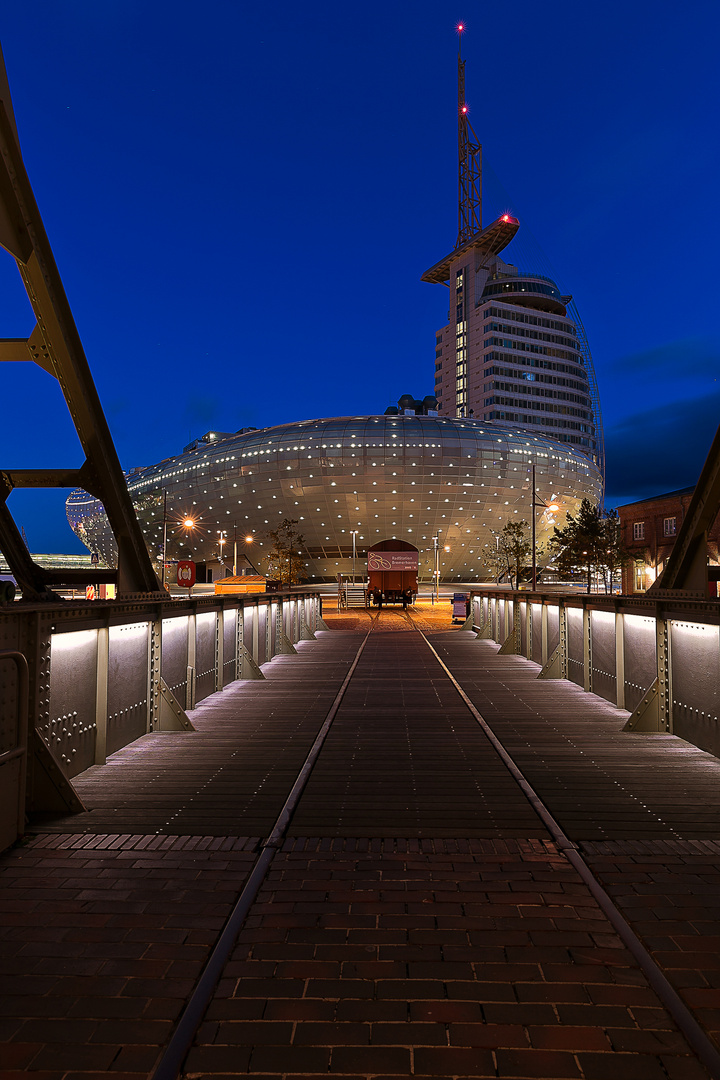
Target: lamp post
{"type": "Point", "coordinates": [547, 506]}
{"type": "Point", "coordinates": [436, 572]}
{"type": "Point", "coordinates": [162, 577]}
{"type": "Point", "coordinates": [221, 541]}
{"type": "Point", "coordinates": [353, 533]}
{"type": "Point", "coordinates": [189, 524]}
{"type": "Point", "coordinates": [248, 540]}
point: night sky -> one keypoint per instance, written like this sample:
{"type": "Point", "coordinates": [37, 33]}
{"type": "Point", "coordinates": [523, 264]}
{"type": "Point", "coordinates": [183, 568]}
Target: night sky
{"type": "Point", "coordinates": [242, 198]}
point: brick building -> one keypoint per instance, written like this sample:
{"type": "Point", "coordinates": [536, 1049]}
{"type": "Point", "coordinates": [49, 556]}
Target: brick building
{"type": "Point", "coordinates": [649, 530]}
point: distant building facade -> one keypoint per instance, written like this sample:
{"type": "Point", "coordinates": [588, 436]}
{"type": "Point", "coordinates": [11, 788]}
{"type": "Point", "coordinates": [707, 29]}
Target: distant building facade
{"type": "Point", "coordinates": [649, 530]}
{"type": "Point", "coordinates": [511, 353]}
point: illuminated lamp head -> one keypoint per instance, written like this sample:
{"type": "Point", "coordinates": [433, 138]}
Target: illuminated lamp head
{"type": "Point", "coordinates": [189, 523]}
{"type": "Point", "coordinates": [464, 109]}
{"type": "Point", "coordinates": [505, 217]}
{"type": "Point", "coordinates": [461, 27]}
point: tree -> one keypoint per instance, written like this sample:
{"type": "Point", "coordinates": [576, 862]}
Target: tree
{"type": "Point", "coordinates": [590, 541]}
{"type": "Point", "coordinates": [514, 548]}
{"type": "Point", "coordinates": [284, 559]}
{"type": "Point", "coordinates": [615, 555]}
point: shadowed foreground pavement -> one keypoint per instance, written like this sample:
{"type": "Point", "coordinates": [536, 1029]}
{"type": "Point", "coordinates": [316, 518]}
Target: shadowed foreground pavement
{"type": "Point", "coordinates": [419, 920]}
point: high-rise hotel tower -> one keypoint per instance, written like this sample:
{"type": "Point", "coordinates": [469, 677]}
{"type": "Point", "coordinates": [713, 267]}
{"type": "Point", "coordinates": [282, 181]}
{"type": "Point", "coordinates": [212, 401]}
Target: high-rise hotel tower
{"type": "Point", "coordinates": [513, 349]}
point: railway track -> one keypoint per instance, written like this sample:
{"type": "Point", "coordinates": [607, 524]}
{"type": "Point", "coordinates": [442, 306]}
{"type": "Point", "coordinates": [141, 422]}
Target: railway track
{"type": "Point", "coordinates": [392, 619]}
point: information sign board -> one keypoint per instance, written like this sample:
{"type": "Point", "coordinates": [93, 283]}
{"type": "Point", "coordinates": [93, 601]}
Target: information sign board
{"type": "Point", "coordinates": [393, 560]}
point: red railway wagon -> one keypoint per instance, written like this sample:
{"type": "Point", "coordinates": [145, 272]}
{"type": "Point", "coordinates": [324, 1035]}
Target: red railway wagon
{"type": "Point", "coordinates": [392, 573]}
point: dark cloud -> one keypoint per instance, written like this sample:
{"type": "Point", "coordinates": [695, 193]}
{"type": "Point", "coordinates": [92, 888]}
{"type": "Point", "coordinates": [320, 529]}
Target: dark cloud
{"type": "Point", "coordinates": [688, 356]}
{"type": "Point", "coordinates": [661, 449]}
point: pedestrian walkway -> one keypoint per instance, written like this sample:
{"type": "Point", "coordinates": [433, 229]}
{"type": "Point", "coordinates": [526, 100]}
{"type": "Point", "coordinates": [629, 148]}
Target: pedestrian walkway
{"type": "Point", "coordinates": [419, 918]}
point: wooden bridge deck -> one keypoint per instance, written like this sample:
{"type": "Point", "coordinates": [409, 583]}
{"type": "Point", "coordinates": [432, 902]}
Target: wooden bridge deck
{"type": "Point", "coordinates": [419, 919]}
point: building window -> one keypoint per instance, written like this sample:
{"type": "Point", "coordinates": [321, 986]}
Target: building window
{"type": "Point", "coordinates": [669, 526]}
{"type": "Point", "coordinates": [638, 530]}
{"type": "Point", "coordinates": [639, 576]}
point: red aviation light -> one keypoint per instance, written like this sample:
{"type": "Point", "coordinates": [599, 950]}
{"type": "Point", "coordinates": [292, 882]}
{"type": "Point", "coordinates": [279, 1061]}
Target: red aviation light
{"type": "Point", "coordinates": [464, 109]}
{"type": "Point", "coordinates": [505, 217]}
{"type": "Point", "coordinates": [460, 27]}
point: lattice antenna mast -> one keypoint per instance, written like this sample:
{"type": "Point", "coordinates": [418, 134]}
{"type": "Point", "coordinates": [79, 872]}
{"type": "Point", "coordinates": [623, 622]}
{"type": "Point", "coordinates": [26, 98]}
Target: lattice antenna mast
{"type": "Point", "coordinates": [469, 162]}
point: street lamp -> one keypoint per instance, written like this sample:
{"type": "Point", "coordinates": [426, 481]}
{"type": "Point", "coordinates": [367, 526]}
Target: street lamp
{"type": "Point", "coordinates": [353, 533]}
{"type": "Point", "coordinates": [162, 578]}
{"type": "Point", "coordinates": [222, 540]}
{"type": "Point", "coordinates": [547, 506]}
{"type": "Point", "coordinates": [436, 572]}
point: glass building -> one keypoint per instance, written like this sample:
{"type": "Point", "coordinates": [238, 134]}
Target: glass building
{"type": "Point", "coordinates": [511, 350]}
{"type": "Point", "coordinates": [403, 476]}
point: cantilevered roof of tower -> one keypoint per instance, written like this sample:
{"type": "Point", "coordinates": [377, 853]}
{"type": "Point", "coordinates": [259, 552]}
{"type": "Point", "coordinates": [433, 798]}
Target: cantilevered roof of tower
{"type": "Point", "coordinates": [489, 242]}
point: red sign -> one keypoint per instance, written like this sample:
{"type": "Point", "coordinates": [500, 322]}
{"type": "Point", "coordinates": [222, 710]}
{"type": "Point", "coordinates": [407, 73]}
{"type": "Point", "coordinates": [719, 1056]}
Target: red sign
{"type": "Point", "coordinates": [393, 560]}
{"type": "Point", "coordinates": [186, 573]}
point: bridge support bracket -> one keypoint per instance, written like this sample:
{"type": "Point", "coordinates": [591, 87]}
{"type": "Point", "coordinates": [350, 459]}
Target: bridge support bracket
{"type": "Point", "coordinates": [248, 668]}
{"type": "Point", "coordinates": [645, 718]}
{"type": "Point", "coordinates": [172, 715]}
{"type": "Point", "coordinates": [553, 668]}
{"type": "Point", "coordinates": [508, 646]}
{"type": "Point", "coordinates": [321, 624]}
{"type": "Point", "coordinates": [286, 645]}
{"type": "Point", "coordinates": [49, 790]}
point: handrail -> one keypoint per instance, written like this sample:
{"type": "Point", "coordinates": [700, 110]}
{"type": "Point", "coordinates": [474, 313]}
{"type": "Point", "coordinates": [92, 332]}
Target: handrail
{"type": "Point", "coordinates": [21, 739]}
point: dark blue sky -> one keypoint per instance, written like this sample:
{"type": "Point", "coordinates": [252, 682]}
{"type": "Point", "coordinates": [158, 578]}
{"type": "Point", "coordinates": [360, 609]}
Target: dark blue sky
{"type": "Point", "coordinates": [242, 198]}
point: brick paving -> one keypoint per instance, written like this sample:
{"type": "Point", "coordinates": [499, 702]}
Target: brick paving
{"type": "Point", "coordinates": [433, 958]}
{"type": "Point", "coordinates": [419, 920]}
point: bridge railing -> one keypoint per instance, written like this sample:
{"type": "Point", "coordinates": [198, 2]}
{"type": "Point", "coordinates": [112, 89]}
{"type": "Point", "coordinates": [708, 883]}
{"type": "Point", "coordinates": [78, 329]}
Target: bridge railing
{"type": "Point", "coordinates": [103, 674]}
{"type": "Point", "coordinates": [657, 657]}
{"type": "Point", "coordinates": [13, 744]}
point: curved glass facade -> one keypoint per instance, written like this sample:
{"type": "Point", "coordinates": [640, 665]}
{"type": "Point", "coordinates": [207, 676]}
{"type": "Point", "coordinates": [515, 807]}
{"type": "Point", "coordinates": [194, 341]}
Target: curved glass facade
{"type": "Point", "coordinates": [380, 476]}
{"type": "Point", "coordinates": [522, 284]}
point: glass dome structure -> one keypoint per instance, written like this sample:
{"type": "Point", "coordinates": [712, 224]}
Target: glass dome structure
{"type": "Point", "coordinates": [385, 476]}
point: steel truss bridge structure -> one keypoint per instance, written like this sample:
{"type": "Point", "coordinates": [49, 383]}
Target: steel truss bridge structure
{"type": "Point", "coordinates": [55, 346]}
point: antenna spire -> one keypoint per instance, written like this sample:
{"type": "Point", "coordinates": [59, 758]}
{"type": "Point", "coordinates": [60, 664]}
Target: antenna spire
{"type": "Point", "coordinates": [469, 161]}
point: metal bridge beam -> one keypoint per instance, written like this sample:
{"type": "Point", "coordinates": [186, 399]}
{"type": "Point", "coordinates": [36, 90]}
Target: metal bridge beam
{"type": "Point", "coordinates": [56, 347]}
{"type": "Point", "coordinates": [686, 567]}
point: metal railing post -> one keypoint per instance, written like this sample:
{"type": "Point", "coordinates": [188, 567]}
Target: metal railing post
{"type": "Point", "coordinates": [562, 639]}
{"type": "Point", "coordinates": [101, 694]}
{"type": "Point", "coordinates": [619, 660]}
{"type": "Point", "coordinates": [154, 670]}
{"type": "Point", "coordinates": [256, 633]}
{"type": "Point", "coordinates": [662, 654]}
{"type": "Point", "coordinates": [239, 639]}
{"type": "Point", "coordinates": [191, 653]}
{"type": "Point", "coordinates": [219, 648]}
{"type": "Point", "coordinates": [10, 831]}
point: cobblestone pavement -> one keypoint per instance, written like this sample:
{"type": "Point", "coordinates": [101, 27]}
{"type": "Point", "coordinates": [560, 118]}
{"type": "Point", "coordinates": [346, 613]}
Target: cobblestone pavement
{"type": "Point", "coordinates": [409, 949]}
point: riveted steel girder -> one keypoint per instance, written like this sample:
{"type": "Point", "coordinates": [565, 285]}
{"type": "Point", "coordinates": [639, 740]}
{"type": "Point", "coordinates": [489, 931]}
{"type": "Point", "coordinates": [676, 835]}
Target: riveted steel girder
{"type": "Point", "coordinates": [56, 347]}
